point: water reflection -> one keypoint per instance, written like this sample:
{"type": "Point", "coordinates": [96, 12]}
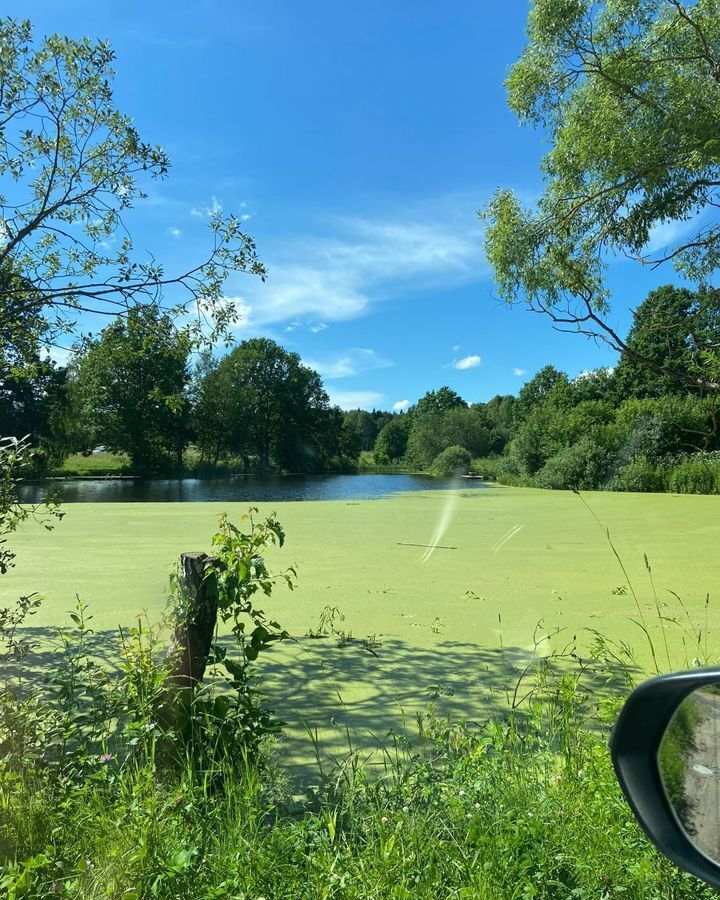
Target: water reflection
{"type": "Point", "coordinates": [690, 768]}
{"type": "Point", "coordinates": [239, 488]}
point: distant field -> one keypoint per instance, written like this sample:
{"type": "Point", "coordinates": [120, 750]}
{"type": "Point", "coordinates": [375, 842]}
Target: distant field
{"type": "Point", "coordinates": [94, 464]}
{"type": "Point", "coordinates": [523, 556]}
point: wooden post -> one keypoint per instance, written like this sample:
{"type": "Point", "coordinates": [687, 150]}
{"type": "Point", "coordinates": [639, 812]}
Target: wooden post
{"type": "Point", "coordinates": [190, 644]}
{"type": "Point", "coordinates": [192, 637]}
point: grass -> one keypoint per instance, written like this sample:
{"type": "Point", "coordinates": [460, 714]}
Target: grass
{"type": "Point", "coordinates": [96, 464]}
{"type": "Point", "coordinates": [520, 805]}
{"type": "Point", "coordinates": [454, 630]}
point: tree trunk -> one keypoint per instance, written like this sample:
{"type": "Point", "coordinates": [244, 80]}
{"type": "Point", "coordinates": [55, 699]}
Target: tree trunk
{"type": "Point", "coordinates": [190, 644]}
{"type": "Point", "coordinates": [192, 637]}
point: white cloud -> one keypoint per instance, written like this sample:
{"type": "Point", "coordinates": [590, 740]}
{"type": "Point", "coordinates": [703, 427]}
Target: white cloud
{"type": "Point", "coordinates": [351, 362]}
{"type": "Point", "coordinates": [355, 399]}
{"type": "Point", "coordinates": [519, 372]}
{"type": "Point", "coordinates": [338, 275]}
{"type": "Point", "coordinates": [401, 405]}
{"type": "Point", "coordinates": [321, 326]}
{"type": "Point", "coordinates": [467, 362]}
{"type": "Point", "coordinates": [455, 348]}
{"type": "Point", "coordinates": [292, 326]}
{"type": "Point", "coordinates": [174, 232]}
{"type": "Point", "coordinates": [207, 212]}
{"type": "Point", "coordinates": [61, 356]}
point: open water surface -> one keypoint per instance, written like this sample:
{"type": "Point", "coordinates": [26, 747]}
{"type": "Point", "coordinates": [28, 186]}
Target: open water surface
{"type": "Point", "coordinates": [239, 488]}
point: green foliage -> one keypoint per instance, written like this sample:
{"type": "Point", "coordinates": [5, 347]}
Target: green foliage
{"type": "Point", "coordinates": [696, 475]}
{"type": "Point", "coordinates": [130, 388]}
{"type": "Point", "coordinates": [525, 798]}
{"type": "Point", "coordinates": [626, 95]}
{"type": "Point", "coordinates": [15, 458]}
{"type": "Point", "coordinates": [641, 475]}
{"type": "Point", "coordinates": [452, 461]}
{"type": "Point", "coordinates": [75, 164]}
{"type": "Point", "coordinates": [392, 440]}
{"type": "Point", "coordinates": [581, 466]}
{"type": "Point", "coordinates": [676, 329]}
{"type": "Point", "coordinates": [259, 401]}
{"type": "Point", "coordinates": [439, 401]}
{"type": "Point", "coordinates": [675, 748]}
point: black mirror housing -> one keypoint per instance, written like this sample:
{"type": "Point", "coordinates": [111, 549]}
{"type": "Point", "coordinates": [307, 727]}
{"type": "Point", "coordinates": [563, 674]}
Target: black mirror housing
{"type": "Point", "coordinates": [635, 745]}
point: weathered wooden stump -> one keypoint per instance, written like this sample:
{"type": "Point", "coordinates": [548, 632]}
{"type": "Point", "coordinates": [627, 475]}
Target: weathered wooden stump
{"type": "Point", "coordinates": [193, 632]}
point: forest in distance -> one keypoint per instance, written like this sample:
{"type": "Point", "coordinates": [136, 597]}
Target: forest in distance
{"type": "Point", "coordinates": [258, 408]}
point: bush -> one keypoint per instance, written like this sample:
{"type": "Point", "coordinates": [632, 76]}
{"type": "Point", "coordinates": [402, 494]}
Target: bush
{"type": "Point", "coordinates": [696, 476]}
{"type": "Point", "coordinates": [581, 467]}
{"type": "Point", "coordinates": [452, 461]}
{"type": "Point", "coordinates": [641, 475]}
{"type": "Point", "coordinates": [490, 467]}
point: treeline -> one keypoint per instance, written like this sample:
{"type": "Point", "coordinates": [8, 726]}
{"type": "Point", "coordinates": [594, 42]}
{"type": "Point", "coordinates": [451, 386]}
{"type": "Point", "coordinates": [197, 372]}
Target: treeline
{"type": "Point", "coordinates": [634, 427]}
{"type": "Point", "coordinates": [137, 389]}
{"type": "Point", "coordinates": [134, 390]}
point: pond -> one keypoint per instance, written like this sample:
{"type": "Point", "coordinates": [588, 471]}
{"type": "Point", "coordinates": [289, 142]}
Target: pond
{"type": "Point", "coordinates": [239, 488]}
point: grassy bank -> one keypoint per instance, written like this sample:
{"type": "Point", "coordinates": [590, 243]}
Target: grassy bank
{"type": "Point", "coordinates": [453, 630]}
{"type": "Point", "coordinates": [520, 807]}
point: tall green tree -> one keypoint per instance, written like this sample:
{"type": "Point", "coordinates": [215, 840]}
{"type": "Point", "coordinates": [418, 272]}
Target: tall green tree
{"type": "Point", "coordinates": [130, 388]}
{"type": "Point", "coordinates": [392, 439]}
{"type": "Point", "coordinates": [438, 401]}
{"type": "Point", "coordinates": [260, 401]}
{"type": "Point", "coordinates": [679, 330]}
{"type": "Point", "coordinates": [627, 94]}
{"type": "Point", "coordinates": [534, 392]}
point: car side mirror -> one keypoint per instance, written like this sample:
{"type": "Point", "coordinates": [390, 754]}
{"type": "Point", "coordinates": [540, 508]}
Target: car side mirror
{"type": "Point", "coordinates": [666, 752]}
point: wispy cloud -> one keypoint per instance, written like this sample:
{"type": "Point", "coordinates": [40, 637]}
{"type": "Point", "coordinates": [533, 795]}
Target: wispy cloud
{"type": "Point", "coordinates": [321, 326]}
{"type": "Point", "coordinates": [355, 399]}
{"type": "Point", "coordinates": [351, 362]}
{"type": "Point", "coordinates": [401, 406]}
{"type": "Point", "coordinates": [467, 362]}
{"type": "Point", "coordinates": [519, 372]}
{"type": "Point", "coordinates": [207, 212]}
{"type": "Point", "coordinates": [358, 262]}
{"type": "Point", "coordinates": [174, 232]}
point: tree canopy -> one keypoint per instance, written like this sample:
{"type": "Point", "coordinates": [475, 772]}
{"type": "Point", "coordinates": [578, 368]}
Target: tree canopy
{"type": "Point", "coordinates": [130, 388]}
{"type": "Point", "coordinates": [627, 93]}
{"type": "Point", "coordinates": [261, 401]}
{"type": "Point", "coordinates": [72, 164]}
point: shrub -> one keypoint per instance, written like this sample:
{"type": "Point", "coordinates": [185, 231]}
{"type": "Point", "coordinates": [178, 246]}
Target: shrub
{"type": "Point", "coordinates": [580, 467]}
{"type": "Point", "coordinates": [640, 475]}
{"type": "Point", "coordinates": [696, 476]}
{"type": "Point", "coordinates": [452, 461]}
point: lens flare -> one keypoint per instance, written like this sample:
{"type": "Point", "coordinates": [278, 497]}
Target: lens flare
{"type": "Point", "coordinates": [445, 518]}
{"type": "Point", "coordinates": [510, 533]}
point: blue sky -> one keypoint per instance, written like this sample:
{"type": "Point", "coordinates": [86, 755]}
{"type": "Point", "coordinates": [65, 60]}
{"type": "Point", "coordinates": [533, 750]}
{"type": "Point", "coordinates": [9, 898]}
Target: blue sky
{"type": "Point", "coordinates": [359, 140]}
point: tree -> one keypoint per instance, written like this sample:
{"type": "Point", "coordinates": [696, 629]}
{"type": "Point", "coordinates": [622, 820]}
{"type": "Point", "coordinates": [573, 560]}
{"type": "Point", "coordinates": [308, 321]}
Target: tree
{"type": "Point", "coordinates": [73, 165]}
{"type": "Point", "coordinates": [627, 95]}
{"type": "Point", "coordinates": [534, 392]}
{"type": "Point", "coordinates": [453, 460]}
{"type": "Point", "coordinates": [130, 387]}
{"type": "Point", "coordinates": [392, 440]}
{"type": "Point", "coordinates": [264, 403]}
{"type": "Point", "coordinates": [678, 329]}
{"type": "Point", "coordinates": [365, 425]}
{"type": "Point", "coordinates": [34, 403]}
{"type": "Point", "coordinates": [438, 401]}
{"type": "Point", "coordinates": [469, 428]}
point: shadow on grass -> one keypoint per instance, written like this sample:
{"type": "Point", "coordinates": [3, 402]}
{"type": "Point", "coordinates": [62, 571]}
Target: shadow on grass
{"type": "Point", "coordinates": [340, 700]}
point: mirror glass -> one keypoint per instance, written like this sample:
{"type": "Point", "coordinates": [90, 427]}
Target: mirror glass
{"type": "Point", "coordinates": [689, 759]}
